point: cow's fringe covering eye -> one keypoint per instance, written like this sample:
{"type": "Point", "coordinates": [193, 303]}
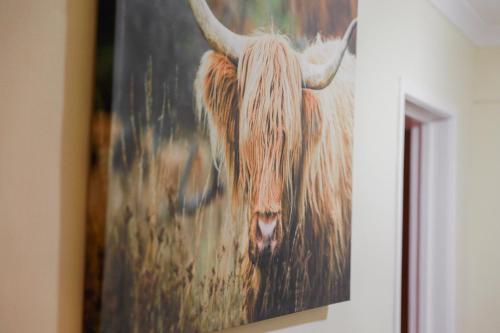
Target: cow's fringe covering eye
{"type": "Point", "coordinates": [270, 95]}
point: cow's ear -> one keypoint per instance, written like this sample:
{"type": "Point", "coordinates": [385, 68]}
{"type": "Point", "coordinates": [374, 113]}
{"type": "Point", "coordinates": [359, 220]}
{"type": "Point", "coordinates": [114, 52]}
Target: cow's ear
{"type": "Point", "coordinates": [216, 97]}
{"type": "Point", "coordinates": [312, 118]}
{"type": "Point", "coordinates": [216, 91]}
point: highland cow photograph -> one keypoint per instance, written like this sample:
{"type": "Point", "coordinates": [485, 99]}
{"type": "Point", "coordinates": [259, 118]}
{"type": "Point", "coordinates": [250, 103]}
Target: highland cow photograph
{"type": "Point", "coordinates": [220, 179]}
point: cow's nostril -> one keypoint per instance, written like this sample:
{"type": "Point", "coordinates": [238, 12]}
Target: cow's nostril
{"type": "Point", "coordinates": [258, 232]}
{"type": "Point", "coordinates": [266, 230]}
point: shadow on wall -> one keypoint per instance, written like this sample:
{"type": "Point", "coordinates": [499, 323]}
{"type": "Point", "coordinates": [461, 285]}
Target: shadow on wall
{"type": "Point", "coordinates": [279, 323]}
{"type": "Point", "coordinates": [80, 36]}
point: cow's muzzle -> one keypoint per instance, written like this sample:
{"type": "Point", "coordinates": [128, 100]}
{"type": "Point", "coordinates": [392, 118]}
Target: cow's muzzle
{"type": "Point", "coordinates": [266, 234]}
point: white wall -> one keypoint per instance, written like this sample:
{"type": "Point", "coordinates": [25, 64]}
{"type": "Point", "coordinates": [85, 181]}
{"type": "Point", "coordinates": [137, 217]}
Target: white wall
{"type": "Point", "coordinates": [45, 91]}
{"type": "Point", "coordinates": [31, 57]}
{"type": "Point", "coordinates": [480, 269]}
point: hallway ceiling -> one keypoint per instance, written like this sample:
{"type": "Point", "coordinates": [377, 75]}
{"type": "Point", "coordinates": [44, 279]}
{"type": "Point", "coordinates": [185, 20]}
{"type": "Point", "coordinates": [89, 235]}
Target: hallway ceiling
{"type": "Point", "coordinates": [488, 10]}
{"type": "Point", "coordinates": [477, 19]}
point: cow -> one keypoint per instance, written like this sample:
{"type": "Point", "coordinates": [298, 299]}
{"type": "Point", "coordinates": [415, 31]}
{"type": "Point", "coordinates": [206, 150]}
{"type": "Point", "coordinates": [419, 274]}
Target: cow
{"type": "Point", "coordinates": [280, 126]}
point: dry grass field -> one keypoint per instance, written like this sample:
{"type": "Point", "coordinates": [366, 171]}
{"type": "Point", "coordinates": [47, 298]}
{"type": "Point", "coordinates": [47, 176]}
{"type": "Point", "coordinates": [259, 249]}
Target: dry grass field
{"type": "Point", "coordinates": [165, 270]}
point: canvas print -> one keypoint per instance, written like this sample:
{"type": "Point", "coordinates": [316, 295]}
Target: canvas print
{"type": "Point", "coordinates": [220, 180]}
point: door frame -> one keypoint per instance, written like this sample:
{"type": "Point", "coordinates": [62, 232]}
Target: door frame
{"type": "Point", "coordinates": [437, 293]}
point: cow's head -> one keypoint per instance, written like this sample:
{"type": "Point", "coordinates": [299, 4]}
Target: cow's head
{"type": "Point", "coordinates": [263, 115]}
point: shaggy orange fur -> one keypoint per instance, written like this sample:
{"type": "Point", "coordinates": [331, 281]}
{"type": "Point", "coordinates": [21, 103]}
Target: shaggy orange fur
{"type": "Point", "coordinates": [288, 149]}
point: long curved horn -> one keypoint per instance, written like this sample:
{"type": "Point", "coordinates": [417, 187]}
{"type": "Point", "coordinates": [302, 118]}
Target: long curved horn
{"type": "Point", "coordinates": [220, 38]}
{"type": "Point", "coordinates": [319, 76]}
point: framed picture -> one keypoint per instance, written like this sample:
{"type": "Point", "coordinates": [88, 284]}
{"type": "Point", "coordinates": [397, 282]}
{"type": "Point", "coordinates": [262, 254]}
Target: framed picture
{"type": "Point", "coordinates": [220, 179]}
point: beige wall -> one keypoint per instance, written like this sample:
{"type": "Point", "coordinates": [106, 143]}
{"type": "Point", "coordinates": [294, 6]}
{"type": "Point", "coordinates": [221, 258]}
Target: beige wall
{"type": "Point", "coordinates": [481, 206]}
{"type": "Point", "coordinates": [45, 92]}
{"type": "Point", "coordinates": [45, 81]}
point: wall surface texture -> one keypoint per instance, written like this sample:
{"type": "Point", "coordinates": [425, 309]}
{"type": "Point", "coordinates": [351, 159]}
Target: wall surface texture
{"type": "Point", "coordinates": [45, 89]}
{"type": "Point", "coordinates": [480, 273]}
